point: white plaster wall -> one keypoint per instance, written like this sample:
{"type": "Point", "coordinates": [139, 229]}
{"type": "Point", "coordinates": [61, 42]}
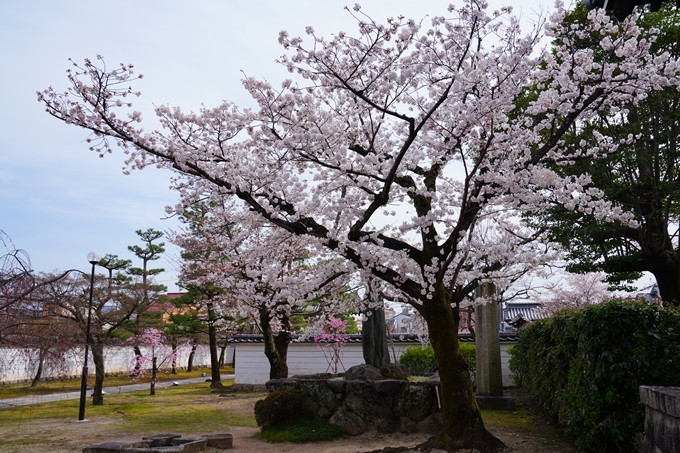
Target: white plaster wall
{"type": "Point", "coordinates": [505, 367]}
{"type": "Point", "coordinates": [252, 366]}
{"type": "Point", "coordinates": [19, 365]}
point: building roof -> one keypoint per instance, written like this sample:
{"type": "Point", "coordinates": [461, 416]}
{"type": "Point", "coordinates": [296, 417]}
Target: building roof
{"type": "Point", "coordinates": [356, 338]}
{"type": "Point", "coordinates": [526, 310]}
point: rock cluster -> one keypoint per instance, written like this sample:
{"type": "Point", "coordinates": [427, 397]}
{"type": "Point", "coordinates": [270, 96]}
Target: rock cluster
{"type": "Point", "coordinates": [166, 443]}
{"type": "Point", "coordinates": [369, 397]}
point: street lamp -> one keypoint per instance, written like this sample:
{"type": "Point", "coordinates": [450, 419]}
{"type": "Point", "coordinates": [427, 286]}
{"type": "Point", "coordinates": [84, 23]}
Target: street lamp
{"type": "Point", "coordinates": [93, 258]}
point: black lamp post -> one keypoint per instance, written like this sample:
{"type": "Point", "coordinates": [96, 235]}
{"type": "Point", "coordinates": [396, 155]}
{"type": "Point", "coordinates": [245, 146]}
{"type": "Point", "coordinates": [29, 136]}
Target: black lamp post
{"type": "Point", "coordinates": [93, 258]}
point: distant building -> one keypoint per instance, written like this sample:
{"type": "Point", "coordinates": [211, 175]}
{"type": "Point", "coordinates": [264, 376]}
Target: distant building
{"type": "Point", "coordinates": [517, 314]}
{"type": "Point", "coordinates": [399, 323]}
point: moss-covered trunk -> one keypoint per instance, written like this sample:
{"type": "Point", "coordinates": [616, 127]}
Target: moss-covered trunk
{"type": "Point", "coordinates": [464, 427]}
{"type": "Point", "coordinates": [275, 347]}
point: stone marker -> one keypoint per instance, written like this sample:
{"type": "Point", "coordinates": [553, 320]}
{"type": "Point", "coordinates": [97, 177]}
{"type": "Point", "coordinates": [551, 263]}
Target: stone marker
{"type": "Point", "coordinates": [165, 443]}
{"type": "Point", "coordinates": [489, 374]}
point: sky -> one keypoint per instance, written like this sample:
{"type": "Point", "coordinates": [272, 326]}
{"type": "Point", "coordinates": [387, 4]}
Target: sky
{"type": "Point", "coordinates": [59, 201]}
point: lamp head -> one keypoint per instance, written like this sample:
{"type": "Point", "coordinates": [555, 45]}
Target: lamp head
{"type": "Point", "coordinates": [94, 257]}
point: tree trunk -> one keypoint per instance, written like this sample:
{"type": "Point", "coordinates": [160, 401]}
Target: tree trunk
{"type": "Point", "coordinates": [154, 374]}
{"type": "Point", "coordinates": [42, 353]}
{"type": "Point", "coordinates": [216, 379]}
{"type": "Point", "coordinates": [464, 427]}
{"type": "Point", "coordinates": [98, 359]}
{"type": "Point", "coordinates": [275, 348]}
{"type": "Point", "coordinates": [374, 338]}
{"type": "Point", "coordinates": [173, 369]}
{"type": "Point", "coordinates": [223, 350]}
{"type": "Point", "coordinates": [470, 310]}
{"type": "Point", "coordinates": [190, 361]}
{"type": "Point", "coordinates": [138, 362]}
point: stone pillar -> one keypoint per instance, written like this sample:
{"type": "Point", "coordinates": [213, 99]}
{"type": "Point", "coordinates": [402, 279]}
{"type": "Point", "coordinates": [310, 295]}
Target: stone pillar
{"type": "Point", "coordinates": [489, 375]}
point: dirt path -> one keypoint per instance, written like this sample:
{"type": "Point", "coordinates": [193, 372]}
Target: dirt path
{"type": "Point", "coordinates": [70, 436]}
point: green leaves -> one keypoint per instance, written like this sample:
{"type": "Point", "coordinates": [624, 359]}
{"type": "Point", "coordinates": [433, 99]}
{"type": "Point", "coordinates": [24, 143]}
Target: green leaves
{"type": "Point", "coordinates": [639, 177]}
{"type": "Point", "coordinates": [584, 367]}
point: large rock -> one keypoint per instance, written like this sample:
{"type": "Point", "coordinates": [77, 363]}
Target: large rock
{"type": "Point", "coordinates": [191, 445]}
{"type": "Point", "coordinates": [162, 440]}
{"type": "Point", "coordinates": [389, 387]}
{"type": "Point", "coordinates": [350, 423]}
{"type": "Point", "coordinates": [336, 385]}
{"type": "Point", "coordinates": [310, 406]}
{"type": "Point", "coordinates": [362, 399]}
{"type": "Point", "coordinates": [433, 380]}
{"type": "Point", "coordinates": [220, 441]}
{"type": "Point", "coordinates": [414, 401]}
{"type": "Point", "coordinates": [406, 425]}
{"type": "Point", "coordinates": [432, 424]}
{"type": "Point", "coordinates": [395, 371]}
{"type": "Point", "coordinates": [274, 385]}
{"type": "Point", "coordinates": [363, 373]}
{"type": "Point", "coordinates": [315, 376]}
{"type": "Point", "coordinates": [165, 443]}
{"type": "Point", "coordinates": [318, 391]}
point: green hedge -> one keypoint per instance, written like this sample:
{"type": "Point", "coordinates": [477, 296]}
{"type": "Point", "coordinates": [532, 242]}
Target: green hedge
{"type": "Point", "coordinates": [420, 360]}
{"type": "Point", "coordinates": [584, 368]}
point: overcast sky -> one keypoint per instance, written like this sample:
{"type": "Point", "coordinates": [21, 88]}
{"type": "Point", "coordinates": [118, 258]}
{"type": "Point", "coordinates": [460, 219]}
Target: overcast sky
{"type": "Point", "coordinates": [59, 201]}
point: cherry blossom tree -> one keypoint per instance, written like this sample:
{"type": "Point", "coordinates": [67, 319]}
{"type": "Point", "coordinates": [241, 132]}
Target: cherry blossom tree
{"type": "Point", "coordinates": [640, 177]}
{"type": "Point", "coordinates": [574, 290]}
{"type": "Point", "coordinates": [159, 354]}
{"type": "Point", "coordinates": [331, 341]}
{"type": "Point", "coordinates": [262, 273]}
{"type": "Point", "coordinates": [394, 146]}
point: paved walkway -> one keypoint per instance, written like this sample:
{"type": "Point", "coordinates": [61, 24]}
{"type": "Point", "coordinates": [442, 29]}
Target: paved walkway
{"type": "Point", "coordinates": [36, 399]}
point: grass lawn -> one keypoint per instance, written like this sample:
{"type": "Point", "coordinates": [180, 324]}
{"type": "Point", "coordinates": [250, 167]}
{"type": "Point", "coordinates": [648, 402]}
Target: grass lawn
{"type": "Point", "coordinates": [68, 385]}
{"type": "Point", "coordinates": [193, 409]}
{"type": "Point", "coordinates": [183, 408]}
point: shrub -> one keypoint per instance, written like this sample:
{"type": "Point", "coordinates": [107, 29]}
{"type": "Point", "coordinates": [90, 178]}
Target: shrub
{"type": "Point", "coordinates": [278, 407]}
{"type": "Point", "coordinates": [302, 430]}
{"type": "Point", "coordinates": [469, 351]}
{"type": "Point", "coordinates": [584, 368]}
{"type": "Point", "coordinates": [513, 362]}
{"type": "Point", "coordinates": [421, 360]}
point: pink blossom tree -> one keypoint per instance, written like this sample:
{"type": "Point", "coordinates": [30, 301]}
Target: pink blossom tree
{"type": "Point", "coordinates": [159, 354]}
{"type": "Point", "coordinates": [331, 340]}
{"type": "Point", "coordinates": [574, 290]}
{"type": "Point", "coordinates": [260, 273]}
{"type": "Point", "coordinates": [392, 147]}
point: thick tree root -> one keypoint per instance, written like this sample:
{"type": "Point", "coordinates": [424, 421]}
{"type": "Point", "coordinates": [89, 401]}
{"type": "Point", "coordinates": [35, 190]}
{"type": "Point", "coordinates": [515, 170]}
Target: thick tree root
{"type": "Point", "coordinates": [489, 444]}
